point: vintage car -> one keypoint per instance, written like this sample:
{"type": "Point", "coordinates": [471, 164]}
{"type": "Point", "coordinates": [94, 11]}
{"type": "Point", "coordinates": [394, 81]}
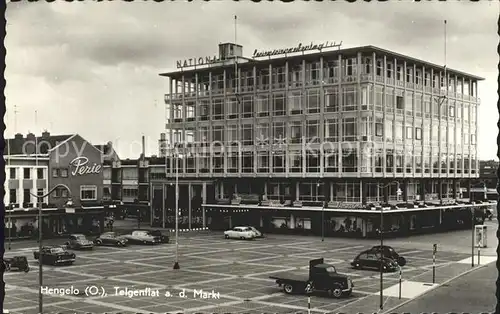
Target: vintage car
{"type": "Point", "coordinates": [163, 237]}
{"type": "Point", "coordinates": [55, 255]}
{"type": "Point", "coordinates": [243, 233]}
{"type": "Point", "coordinates": [17, 262]}
{"type": "Point", "coordinates": [142, 237]}
{"type": "Point", "coordinates": [256, 232]}
{"type": "Point", "coordinates": [111, 238]}
{"type": "Point", "coordinates": [389, 252]}
{"type": "Point", "coordinates": [79, 242]}
{"type": "Point", "coordinates": [371, 260]}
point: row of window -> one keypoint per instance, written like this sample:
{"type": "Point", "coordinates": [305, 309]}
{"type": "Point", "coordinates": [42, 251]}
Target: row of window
{"type": "Point", "coordinates": [27, 173]}
{"type": "Point", "coordinates": [347, 161]}
{"type": "Point", "coordinates": [298, 75]}
{"type": "Point", "coordinates": [334, 130]}
{"type": "Point", "coordinates": [335, 100]}
{"type": "Point", "coordinates": [87, 193]}
{"type": "Point", "coordinates": [60, 172]}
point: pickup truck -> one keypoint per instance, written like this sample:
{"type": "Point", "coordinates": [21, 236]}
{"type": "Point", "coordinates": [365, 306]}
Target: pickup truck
{"type": "Point", "coordinates": [322, 277]}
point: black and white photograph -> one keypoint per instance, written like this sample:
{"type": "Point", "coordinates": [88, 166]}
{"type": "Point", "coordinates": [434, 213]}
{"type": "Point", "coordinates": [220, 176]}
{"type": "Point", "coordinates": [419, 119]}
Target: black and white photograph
{"type": "Point", "coordinates": [251, 157]}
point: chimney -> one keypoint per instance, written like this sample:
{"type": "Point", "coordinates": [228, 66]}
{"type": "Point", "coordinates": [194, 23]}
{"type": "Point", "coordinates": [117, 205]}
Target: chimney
{"type": "Point", "coordinates": [45, 135]}
{"type": "Point", "coordinates": [29, 148]}
{"type": "Point", "coordinates": [143, 146]}
{"type": "Point", "coordinates": [163, 136]}
{"type": "Point", "coordinates": [18, 136]}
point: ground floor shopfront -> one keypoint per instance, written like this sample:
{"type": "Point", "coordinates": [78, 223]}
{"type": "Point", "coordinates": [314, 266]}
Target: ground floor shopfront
{"type": "Point", "coordinates": [21, 224]}
{"type": "Point", "coordinates": [345, 222]}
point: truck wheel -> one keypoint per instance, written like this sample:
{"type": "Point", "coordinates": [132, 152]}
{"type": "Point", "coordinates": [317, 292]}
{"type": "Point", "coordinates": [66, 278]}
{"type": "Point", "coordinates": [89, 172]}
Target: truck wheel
{"type": "Point", "coordinates": [336, 292]}
{"type": "Point", "coordinates": [288, 288]}
{"type": "Point", "coordinates": [226, 236]}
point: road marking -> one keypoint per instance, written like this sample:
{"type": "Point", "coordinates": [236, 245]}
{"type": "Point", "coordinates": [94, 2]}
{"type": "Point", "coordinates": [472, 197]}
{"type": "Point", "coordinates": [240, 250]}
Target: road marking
{"type": "Point", "coordinates": [36, 306]}
{"type": "Point", "coordinates": [77, 273]}
{"type": "Point", "coordinates": [409, 289]}
{"type": "Point", "coordinates": [269, 272]}
{"type": "Point", "coordinates": [263, 297]}
{"type": "Point", "coordinates": [293, 307]}
{"type": "Point", "coordinates": [135, 282]}
{"type": "Point", "coordinates": [208, 307]}
{"type": "Point", "coordinates": [408, 252]}
{"type": "Point", "coordinates": [364, 292]}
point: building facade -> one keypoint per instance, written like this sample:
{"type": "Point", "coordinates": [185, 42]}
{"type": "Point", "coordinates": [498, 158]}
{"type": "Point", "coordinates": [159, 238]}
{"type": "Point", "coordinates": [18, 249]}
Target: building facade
{"type": "Point", "coordinates": [349, 127]}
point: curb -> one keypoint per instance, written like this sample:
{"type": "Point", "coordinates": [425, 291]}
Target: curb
{"type": "Point", "coordinates": [391, 310]}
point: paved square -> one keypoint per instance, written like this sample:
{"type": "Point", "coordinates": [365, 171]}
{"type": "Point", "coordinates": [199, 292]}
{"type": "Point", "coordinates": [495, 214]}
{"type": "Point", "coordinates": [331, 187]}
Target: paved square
{"type": "Point", "coordinates": [219, 275]}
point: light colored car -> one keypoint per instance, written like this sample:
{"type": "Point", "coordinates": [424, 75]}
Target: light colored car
{"type": "Point", "coordinates": [244, 233]}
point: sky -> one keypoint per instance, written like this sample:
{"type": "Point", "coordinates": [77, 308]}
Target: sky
{"type": "Point", "coordinates": [92, 67]}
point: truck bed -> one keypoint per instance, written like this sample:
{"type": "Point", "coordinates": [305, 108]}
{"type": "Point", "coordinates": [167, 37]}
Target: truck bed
{"type": "Point", "coordinates": [291, 276]}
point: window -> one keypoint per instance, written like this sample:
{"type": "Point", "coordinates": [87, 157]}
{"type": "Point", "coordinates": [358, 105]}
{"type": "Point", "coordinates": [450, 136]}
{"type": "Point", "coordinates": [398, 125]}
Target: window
{"type": "Point", "coordinates": [409, 103]}
{"type": "Point", "coordinates": [331, 160]}
{"type": "Point", "coordinates": [263, 162]}
{"type": "Point", "coordinates": [64, 193]}
{"type": "Point", "coordinates": [313, 101]}
{"type": "Point", "coordinates": [367, 65]}
{"type": "Point", "coordinates": [349, 160]}
{"type": "Point", "coordinates": [312, 161]}
{"type": "Point", "coordinates": [400, 103]}
{"type": "Point", "coordinates": [389, 100]}
{"type": "Point", "coordinates": [399, 72]}
{"type": "Point", "coordinates": [379, 68]}
{"type": "Point", "coordinates": [459, 111]}
{"type": "Point", "coordinates": [278, 162]}
{"type": "Point", "coordinates": [217, 109]}
{"type": "Point", "coordinates": [389, 70]}
{"type": "Point", "coordinates": [262, 135]}
{"type": "Point", "coordinates": [473, 139]}
{"type": "Point", "coordinates": [232, 166]}
{"type": "Point", "coordinates": [389, 163]}
{"type": "Point", "coordinates": [418, 105]}
{"type": "Point", "coordinates": [55, 173]}
{"type": "Point", "coordinates": [204, 109]}
{"type": "Point", "coordinates": [39, 192]}
{"type": "Point", "coordinates": [379, 160]}
{"type": "Point", "coordinates": [247, 134]}
{"type": "Point", "coordinates": [332, 100]}
{"type": "Point", "coordinates": [203, 135]}
{"type": "Point", "coordinates": [39, 173]}
{"type": "Point", "coordinates": [279, 104]}
{"type": "Point", "coordinates": [351, 66]}
{"type": "Point", "coordinates": [367, 99]}
{"type": "Point", "coordinates": [466, 136]}
{"type": "Point", "coordinates": [388, 131]}
{"type": "Point", "coordinates": [232, 134]}
{"type": "Point", "coordinates": [331, 71]}
{"type": "Point", "coordinates": [295, 131]}
{"type": "Point", "coordinates": [279, 132]}
{"type": "Point", "coordinates": [409, 75]}
{"type": "Point", "coordinates": [12, 173]}
{"type": "Point", "coordinates": [13, 196]}
{"type": "Point", "coordinates": [88, 192]}
{"type": "Point", "coordinates": [262, 103]}
{"type": "Point", "coordinates": [218, 133]}
{"type": "Point", "coordinates": [379, 98]}
{"type": "Point", "coordinates": [295, 75]}
{"type": "Point", "coordinates": [379, 129]}
{"type": "Point", "coordinates": [349, 129]}
{"type": "Point", "coordinates": [350, 101]}
{"type": "Point", "coordinates": [312, 131]}
{"type": "Point", "coordinates": [26, 196]}
{"type": "Point", "coordinates": [27, 173]}
{"type": "Point", "coordinates": [295, 164]}
{"type": "Point", "coordinates": [451, 135]}
{"type": "Point", "coordinates": [217, 163]}
{"type": "Point", "coordinates": [247, 106]}
{"type": "Point", "coordinates": [418, 134]}
{"type": "Point", "coordinates": [331, 130]}
{"type": "Point", "coordinates": [451, 111]}
{"type": "Point", "coordinates": [232, 108]}
{"type": "Point", "coordinates": [263, 79]}
{"type": "Point", "coordinates": [399, 131]}
{"type": "Point", "coordinates": [409, 132]}
{"type": "Point", "coordinates": [279, 77]}
{"type": "Point", "coordinates": [312, 73]}
{"type": "Point", "coordinates": [295, 102]}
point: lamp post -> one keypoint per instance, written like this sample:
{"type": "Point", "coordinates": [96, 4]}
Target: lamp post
{"type": "Point", "coordinates": [382, 246]}
{"type": "Point", "coordinates": [176, 263]}
{"type": "Point", "coordinates": [10, 225]}
{"type": "Point", "coordinates": [39, 199]}
{"type": "Point", "coordinates": [322, 215]}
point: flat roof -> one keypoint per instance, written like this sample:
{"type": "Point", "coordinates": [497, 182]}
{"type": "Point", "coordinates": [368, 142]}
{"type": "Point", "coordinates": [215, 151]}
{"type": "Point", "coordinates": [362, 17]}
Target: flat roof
{"type": "Point", "coordinates": [177, 74]}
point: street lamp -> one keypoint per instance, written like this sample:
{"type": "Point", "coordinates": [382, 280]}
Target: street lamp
{"type": "Point", "coordinates": [176, 263]}
{"type": "Point", "coordinates": [39, 199]}
{"type": "Point", "coordinates": [382, 245]}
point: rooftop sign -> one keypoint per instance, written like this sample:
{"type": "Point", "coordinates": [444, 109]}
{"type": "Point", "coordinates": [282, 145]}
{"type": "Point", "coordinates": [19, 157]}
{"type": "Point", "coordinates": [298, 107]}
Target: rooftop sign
{"type": "Point", "coordinates": [196, 61]}
{"type": "Point", "coordinates": [299, 48]}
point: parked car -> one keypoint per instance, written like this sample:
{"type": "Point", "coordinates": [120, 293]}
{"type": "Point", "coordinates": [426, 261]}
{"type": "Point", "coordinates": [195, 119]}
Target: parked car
{"type": "Point", "coordinates": [321, 277]}
{"type": "Point", "coordinates": [163, 237]}
{"type": "Point", "coordinates": [257, 233]}
{"type": "Point", "coordinates": [55, 255]}
{"type": "Point", "coordinates": [243, 233]}
{"type": "Point", "coordinates": [18, 262]}
{"type": "Point", "coordinates": [111, 238]}
{"type": "Point", "coordinates": [142, 237]}
{"type": "Point", "coordinates": [79, 242]}
{"type": "Point", "coordinates": [389, 252]}
{"type": "Point", "coordinates": [369, 259]}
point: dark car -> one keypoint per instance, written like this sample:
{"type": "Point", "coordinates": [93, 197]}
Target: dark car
{"type": "Point", "coordinates": [163, 237]}
{"type": "Point", "coordinates": [371, 260]}
{"type": "Point", "coordinates": [79, 242]}
{"type": "Point", "coordinates": [18, 262]}
{"type": "Point", "coordinates": [55, 255]}
{"type": "Point", "coordinates": [111, 238]}
{"type": "Point", "coordinates": [389, 252]}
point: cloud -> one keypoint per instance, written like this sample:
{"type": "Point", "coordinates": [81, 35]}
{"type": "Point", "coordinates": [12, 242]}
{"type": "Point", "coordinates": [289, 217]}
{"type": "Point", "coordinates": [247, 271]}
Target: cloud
{"type": "Point", "coordinates": [93, 67]}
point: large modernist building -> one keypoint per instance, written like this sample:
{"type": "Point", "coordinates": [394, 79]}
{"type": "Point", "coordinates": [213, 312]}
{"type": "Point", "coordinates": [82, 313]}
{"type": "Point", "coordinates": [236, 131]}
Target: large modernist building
{"type": "Point", "coordinates": [350, 127]}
